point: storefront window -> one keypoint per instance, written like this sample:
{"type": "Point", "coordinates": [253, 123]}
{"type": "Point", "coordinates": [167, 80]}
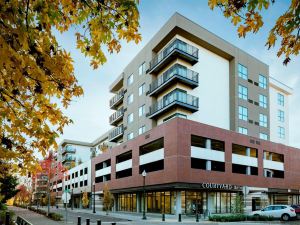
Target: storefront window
{"type": "Point", "coordinates": [127, 202]}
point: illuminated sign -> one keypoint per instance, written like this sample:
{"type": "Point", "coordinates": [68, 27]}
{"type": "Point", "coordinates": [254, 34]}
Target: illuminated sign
{"type": "Point", "coordinates": [220, 186]}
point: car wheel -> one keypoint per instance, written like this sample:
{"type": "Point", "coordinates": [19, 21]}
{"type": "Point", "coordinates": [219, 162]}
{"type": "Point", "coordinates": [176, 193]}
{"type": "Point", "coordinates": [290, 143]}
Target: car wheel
{"type": "Point", "coordinates": [285, 217]}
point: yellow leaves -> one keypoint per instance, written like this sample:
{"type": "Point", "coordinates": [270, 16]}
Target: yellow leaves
{"type": "Point", "coordinates": [235, 20]}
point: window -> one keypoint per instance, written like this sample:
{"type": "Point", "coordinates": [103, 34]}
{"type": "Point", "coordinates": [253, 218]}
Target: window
{"type": "Point", "coordinates": [243, 113]}
{"type": "Point", "coordinates": [86, 170]}
{"type": "Point", "coordinates": [142, 89]}
{"type": "Point", "coordinates": [85, 182]}
{"type": "Point", "coordinates": [243, 130]}
{"type": "Point", "coordinates": [281, 132]}
{"type": "Point", "coordinates": [263, 136]}
{"type": "Point", "coordinates": [130, 118]}
{"type": "Point", "coordinates": [280, 116]}
{"type": "Point", "coordinates": [262, 81]}
{"type": "Point", "coordinates": [130, 80]}
{"type": "Point", "coordinates": [130, 136]}
{"type": "Point", "coordinates": [263, 120]}
{"type": "Point", "coordinates": [141, 110]}
{"type": "Point", "coordinates": [142, 129]}
{"type": "Point", "coordinates": [243, 92]}
{"type": "Point", "coordinates": [263, 101]}
{"type": "Point", "coordinates": [142, 68]}
{"type": "Point", "coordinates": [130, 99]}
{"type": "Point", "coordinates": [243, 72]}
{"type": "Point", "coordinates": [280, 99]}
{"type": "Point", "coordinates": [76, 174]}
{"type": "Point", "coordinates": [81, 172]}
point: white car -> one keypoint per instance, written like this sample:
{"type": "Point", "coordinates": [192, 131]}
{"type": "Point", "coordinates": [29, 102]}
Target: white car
{"type": "Point", "coordinates": [283, 212]}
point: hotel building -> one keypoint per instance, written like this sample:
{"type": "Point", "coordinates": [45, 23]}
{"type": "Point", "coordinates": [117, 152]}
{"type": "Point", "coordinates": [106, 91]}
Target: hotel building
{"type": "Point", "coordinates": [205, 120]}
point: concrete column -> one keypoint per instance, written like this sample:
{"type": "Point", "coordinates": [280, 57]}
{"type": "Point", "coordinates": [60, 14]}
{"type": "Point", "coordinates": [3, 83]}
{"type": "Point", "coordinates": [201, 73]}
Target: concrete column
{"type": "Point", "coordinates": [248, 170]}
{"type": "Point", "coordinates": [178, 202]}
{"type": "Point", "coordinates": [208, 165]}
{"type": "Point", "coordinates": [247, 151]}
{"type": "Point", "coordinates": [210, 202]}
{"type": "Point", "coordinates": [138, 203]}
{"type": "Point", "coordinates": [208, 144]}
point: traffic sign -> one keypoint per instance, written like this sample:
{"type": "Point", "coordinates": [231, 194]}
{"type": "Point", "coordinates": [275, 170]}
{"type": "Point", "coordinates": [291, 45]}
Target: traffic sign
{"type": "Point", "coordinates": [66, 197]}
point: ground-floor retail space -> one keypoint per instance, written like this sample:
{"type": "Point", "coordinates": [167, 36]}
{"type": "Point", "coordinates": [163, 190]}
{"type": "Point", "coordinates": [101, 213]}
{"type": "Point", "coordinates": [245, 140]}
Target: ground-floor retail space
{"type": "Point", "coordinates": [190, 201]}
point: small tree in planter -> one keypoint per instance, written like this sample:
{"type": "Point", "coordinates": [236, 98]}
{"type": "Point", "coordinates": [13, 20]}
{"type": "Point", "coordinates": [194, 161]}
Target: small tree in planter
{"type": "Point", "coordinates": [85, 199]}
{"type": "Point", "coordinates": [238, 205]}
{"type": "Point", "coordinates": [107, 199]}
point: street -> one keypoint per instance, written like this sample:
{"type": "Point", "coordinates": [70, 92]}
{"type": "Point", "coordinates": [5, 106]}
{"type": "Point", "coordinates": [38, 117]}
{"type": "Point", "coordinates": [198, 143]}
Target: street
{"type": "Point", "coordinates": [37, 219]}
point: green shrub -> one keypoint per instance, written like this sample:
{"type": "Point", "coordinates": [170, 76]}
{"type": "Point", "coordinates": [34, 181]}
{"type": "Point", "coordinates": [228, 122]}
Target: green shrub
{"type": "Point", "coordinates": [238, 217]}
{"type": "Point", "coordinates": [3, 215]}
{"type": "Point", "coordinates": [55, 216]}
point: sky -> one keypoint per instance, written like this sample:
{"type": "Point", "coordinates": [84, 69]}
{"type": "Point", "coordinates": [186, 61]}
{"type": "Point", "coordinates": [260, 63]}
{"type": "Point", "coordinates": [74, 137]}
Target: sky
{"type": "Point", "coordinates": [90, 112]}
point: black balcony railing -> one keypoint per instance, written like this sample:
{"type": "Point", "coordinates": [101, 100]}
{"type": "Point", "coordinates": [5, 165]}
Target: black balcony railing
{"type": "Point", "coordinates": [69, 149]}
{"type": "Point", "coordinates": [188, 51]}
{"type": "Point", "coordinates": [116, 99]}
{"type": "Point", "coordinates": [176, 97]}
{"type": "Point", "coordinates": [116, 133]}
{"type": "Point", "coordinates": [116, 116]}
{"type": "Point", "coordinates": [181, 72]}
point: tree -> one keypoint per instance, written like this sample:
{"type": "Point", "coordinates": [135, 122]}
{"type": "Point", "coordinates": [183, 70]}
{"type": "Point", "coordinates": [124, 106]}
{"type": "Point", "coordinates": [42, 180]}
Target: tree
{"type": "Point", "coordinates": [246, 14]}
{"type": "Point", "coordinates": [238, 204]}
{"type": "Point", "coordinates": [37, 75]}
{"type": "Point", "coordinates": [107, 199]}
{"type": "Point", "coordinates": [8, 185]}
{"type": "Point", "coordinates": [23, 196]}
{"type": "Point", "coordinates": [51, 169]}
{"type": "Point", "coordinates": [85, 199]}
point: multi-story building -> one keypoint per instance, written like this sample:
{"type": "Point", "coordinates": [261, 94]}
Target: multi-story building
{"type": "Point", "coordinates": [204, 120]}
{"type": "Point", "coordinates": [39, 184]}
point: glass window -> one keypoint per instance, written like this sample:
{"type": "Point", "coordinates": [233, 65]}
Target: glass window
{"type": "Point", "coordinates": [263, 102]}
{"type": "Point", "coordinates": [262, 81]}
{"type": "Point", "coordinates": [141, 110]}
{"type": "Point", "coordinates": [130, 136]}
{"type": "Point", "coordinates": [280, 99]}
{"type": "Point", "coordinates": [263, 136]}
{"type": "Point", "coordinates": [243, 113]}
{"type": "Point", "coordinates": [243, 130]}
{"type": "Point", "coordinates": [243, 72]}
{"type": "Point", "coordinates": [142, 89]}
{"type": "Point", "coordinates": [281, 132]}
{"type": "Point", "coordinates": [142, 68]}
{"type": "Point", "coordinates": [130, 99]}
{"type": "Point", "coordinates": [280, 116]}
{"type": "Point", "coordinates": [263, 120]}
{"type": "Point", "coordinates": [130, 118]}
{"type": "Point", "coordinates": [130, 80]}
{"type": "Point", "coordinates": [142, 129]}
{"type": "Point", "coordinates": [243, 92]}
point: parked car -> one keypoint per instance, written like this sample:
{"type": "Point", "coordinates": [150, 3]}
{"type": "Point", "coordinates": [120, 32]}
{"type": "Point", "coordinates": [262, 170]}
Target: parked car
{"type": "Point", "coordinates": [284, 212]}
{"type": "Point", "coordinates": [297, 208]}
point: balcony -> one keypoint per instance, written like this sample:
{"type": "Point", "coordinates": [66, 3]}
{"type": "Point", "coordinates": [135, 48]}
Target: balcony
{"type": "Point", "coordinates": [116, 117]}
{"type": "Point", "coordinates": [176, 98]}
{"type": "Point", "coordinates": [116, 133]}
{"type": "Point", "coordinates": [177, 49]}
{"type": "Point", "coordinates": [68, 158]}
{"type": "Point", "coordinates": [176, 73]}
{"type": "Point", "coordinates": [68, 149]}
{"type": "Point", "coordinates": [117, 99]}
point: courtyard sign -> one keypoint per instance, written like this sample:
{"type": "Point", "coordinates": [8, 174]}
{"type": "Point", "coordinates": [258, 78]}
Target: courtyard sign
{"type": "Point", "coordinates": [220, 186]}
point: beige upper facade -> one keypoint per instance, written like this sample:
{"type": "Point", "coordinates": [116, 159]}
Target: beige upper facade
{"type": "Point", "coordinates": [189, 72]}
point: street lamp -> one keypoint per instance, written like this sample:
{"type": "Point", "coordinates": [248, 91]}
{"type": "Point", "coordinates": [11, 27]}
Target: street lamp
{"type": "Point", "coordinates": [56, 197]}
{"type": "Point", "coordinates": [72, 203]}
{"type": "Point", "coordinates": [94, 210]}
{"type": "Point", "coordinates": [144, 174]}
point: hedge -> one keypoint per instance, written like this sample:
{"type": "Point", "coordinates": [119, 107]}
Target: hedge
{"type": "Point", "coordinates": [238, 217]}
{"type": "Point", "coordinates": [52, 215]}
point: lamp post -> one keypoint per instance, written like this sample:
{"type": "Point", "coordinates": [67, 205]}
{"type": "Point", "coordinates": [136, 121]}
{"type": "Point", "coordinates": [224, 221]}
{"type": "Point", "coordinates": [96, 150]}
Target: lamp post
{"type": "Point", "coordinates": [94, 210]}
{"type": "Point", "coordinates": [144, 174]}
{"type": "Point", "coordinates": [72, 202]}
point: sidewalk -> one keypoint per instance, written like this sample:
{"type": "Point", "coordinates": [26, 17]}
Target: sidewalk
{"type": "Point", "coordinates": [151, 217]}
{"type": "Point", "coordinates": [32, 217]}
